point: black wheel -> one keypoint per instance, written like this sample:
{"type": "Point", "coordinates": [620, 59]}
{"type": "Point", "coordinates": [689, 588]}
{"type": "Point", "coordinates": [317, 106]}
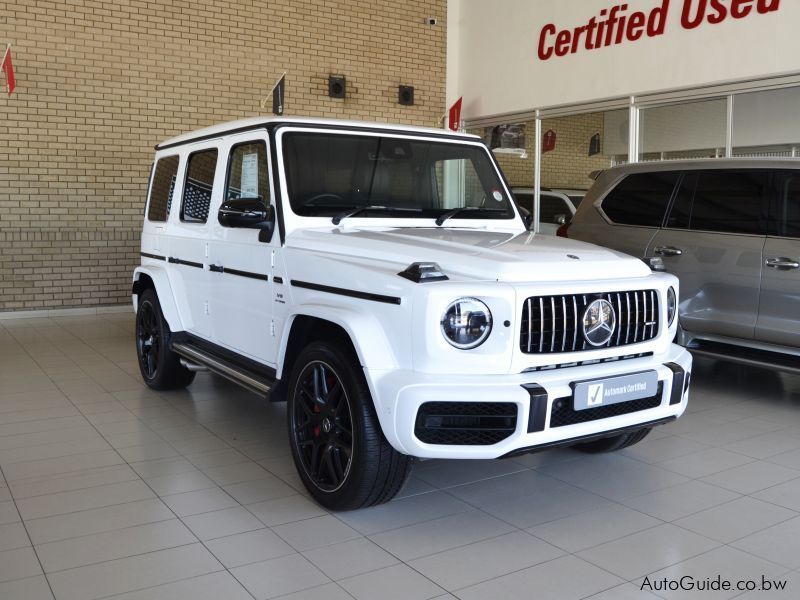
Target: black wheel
{"type": "Point", "coordinates": [337, 443]}
{"type": "Point", "coordinates": [612, 444]}
{"type": "Point", "coordinates": [160, 367]}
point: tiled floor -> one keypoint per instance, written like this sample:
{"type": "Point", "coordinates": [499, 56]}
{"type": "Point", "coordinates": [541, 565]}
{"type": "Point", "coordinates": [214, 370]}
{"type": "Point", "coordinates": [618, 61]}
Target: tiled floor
{"type": "Point", "coordinates": [109, 489]}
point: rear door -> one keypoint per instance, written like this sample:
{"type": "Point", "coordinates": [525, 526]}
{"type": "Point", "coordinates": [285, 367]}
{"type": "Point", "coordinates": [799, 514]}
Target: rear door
{"type": "Point", "coordinates": [779, 305]}
{"type": "Point", "coordinates": [713, 241]}
{"type": "Point", "coordinates": [631, 213]}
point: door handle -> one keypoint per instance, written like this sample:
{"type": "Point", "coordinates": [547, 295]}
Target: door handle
{"type": "Point", "coordinates": [667, 251]}
{"type": "Point", "coordinates": [782, 263]}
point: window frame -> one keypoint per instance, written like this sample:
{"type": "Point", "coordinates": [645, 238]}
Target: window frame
{"type": "Point", "coordinates": [153, 171]}
{"type": "Point", "coordinates": [187, 167]}
{"type": "Point", "coordinates": [229, 164]}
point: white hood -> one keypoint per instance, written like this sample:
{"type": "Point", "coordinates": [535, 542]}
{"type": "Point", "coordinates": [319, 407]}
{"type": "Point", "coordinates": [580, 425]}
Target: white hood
{"type": "Point", "coordinates": [473, 254]}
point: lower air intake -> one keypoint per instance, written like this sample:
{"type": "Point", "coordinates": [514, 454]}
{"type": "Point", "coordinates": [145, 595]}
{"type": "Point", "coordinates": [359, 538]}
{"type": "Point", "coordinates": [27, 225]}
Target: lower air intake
{"type": "Point", "coordinates": [465, 423]}
{"type": "Point", "coordinates": [563, 414]}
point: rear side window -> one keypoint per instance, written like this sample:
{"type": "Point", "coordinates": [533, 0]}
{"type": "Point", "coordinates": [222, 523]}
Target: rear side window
{"type": "Point", "coordinates": [725, 201]}
{"type": "Point", "coordinates": [199, 185]}
{"type": "Point", "coordinates": [248, 176]}
{"type": "Point", "coordinates": [641, 199]}
{"type": "Point", "coordinates": [162, 188]}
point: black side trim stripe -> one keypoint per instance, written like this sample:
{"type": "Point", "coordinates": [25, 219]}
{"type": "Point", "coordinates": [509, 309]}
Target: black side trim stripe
{"type": "Point", "coordinates": [188, 263]}
{"type": "Point", "coordinates": [247, 274]}
{"type": "Point", "coordinates": [345, 292]}
{"type": "Point", "coordinates": [154, 256]}
{"type": "Point", "coordinates": [278, 280]}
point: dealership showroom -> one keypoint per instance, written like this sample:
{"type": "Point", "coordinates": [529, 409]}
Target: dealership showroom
{"type": "Point", "coordinates": [350, 300]}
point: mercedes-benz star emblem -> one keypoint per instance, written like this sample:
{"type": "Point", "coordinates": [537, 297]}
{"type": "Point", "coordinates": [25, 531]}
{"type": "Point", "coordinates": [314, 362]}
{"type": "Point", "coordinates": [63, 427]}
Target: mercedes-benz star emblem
{"type": "Point", "coordinates": [599, 322]}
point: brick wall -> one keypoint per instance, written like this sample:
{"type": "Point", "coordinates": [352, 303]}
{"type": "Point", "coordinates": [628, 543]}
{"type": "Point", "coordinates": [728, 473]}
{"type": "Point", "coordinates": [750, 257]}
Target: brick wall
{"type": "Point", "coordinates": [100, 82]}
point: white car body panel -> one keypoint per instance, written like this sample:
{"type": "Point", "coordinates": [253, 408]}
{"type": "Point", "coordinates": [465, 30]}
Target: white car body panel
{"type": "Point", "coordinates": [396, 330]}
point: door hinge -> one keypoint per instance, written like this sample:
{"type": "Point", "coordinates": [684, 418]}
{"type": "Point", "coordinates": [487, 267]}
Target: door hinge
{"type": "Point", "coordinates": [206, 309]}
{"type": "Point", "coordinates": [272, 328]}
{"type": "Point", "coordinates": [272, 259]}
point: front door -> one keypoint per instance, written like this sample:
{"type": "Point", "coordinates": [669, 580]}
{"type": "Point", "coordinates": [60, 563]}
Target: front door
{"type": "Point", "coordinates": [712, 241]}
{"type": "Point", "coordinates": [779, 306]}
{"type": "Point", "coordinates": [240, 265]}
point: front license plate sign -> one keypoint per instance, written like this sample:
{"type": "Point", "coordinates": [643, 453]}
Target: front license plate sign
{"type": "Point", "coordinates": [602, 392]}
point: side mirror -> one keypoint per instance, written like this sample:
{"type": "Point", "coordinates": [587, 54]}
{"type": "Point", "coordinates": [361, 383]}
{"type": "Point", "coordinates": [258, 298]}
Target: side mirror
{"type": "Point", "coordinates": [560, 219]}
{"type": "Point", "coordinates": [527, 217]}
{"type": "Point", "coordinates": [250, 213]}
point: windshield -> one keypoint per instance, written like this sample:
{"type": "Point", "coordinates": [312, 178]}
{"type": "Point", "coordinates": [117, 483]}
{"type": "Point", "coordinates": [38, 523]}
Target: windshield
{"type": "Point", "coordinates": [330, 173]}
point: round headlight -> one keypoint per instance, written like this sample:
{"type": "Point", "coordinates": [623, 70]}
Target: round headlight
{"type": "Point", "coordinates": [466, 323]}
{"type": "Point", "coordinates": [672, 305]}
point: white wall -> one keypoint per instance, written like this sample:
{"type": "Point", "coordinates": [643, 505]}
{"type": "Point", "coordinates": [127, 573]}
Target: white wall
{"type": "Point", "coordinates": [493, 60]}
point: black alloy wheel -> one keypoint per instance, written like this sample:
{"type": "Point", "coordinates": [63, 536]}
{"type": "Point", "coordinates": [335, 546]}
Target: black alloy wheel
{"type": "Point", "coordinates": [161, 368]}
{"type": "Point", "coordinates": [148, 338]}
{"type": "Point", "coordinates": [322, 425]}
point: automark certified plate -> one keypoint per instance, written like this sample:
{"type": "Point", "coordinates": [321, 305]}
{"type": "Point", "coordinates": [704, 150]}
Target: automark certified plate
{"type": "Point", "coordinates": [602, 392]}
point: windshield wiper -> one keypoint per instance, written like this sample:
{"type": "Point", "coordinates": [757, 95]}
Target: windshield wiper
{"type": "Point", "coordinates": [452, 213]}
{"type": "Point", "coordinates": [351, 212]}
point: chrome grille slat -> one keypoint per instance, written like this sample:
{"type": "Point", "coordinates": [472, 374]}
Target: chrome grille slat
{"type": "Point", "coordinates": [541, 323]}
{"type": "Point", "coordinates": [575, 323]}
{"type": "Point", "coordinates": [530, 325]}
{"type": "Point", "coordinates": [639, 314]}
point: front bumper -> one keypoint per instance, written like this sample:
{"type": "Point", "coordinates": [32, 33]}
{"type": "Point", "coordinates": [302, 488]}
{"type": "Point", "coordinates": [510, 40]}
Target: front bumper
{"type": "Point", "coordinates": [400, 394]}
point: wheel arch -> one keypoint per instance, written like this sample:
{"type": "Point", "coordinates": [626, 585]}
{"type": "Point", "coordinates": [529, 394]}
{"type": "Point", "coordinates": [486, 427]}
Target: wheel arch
{"type": "Point", "coordinates": [156, 278]}
{"type": "Point", "coordinates": [362, 333]}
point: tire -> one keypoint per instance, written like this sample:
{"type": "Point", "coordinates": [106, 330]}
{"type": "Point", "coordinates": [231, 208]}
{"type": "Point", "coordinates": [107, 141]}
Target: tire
{"type": "Point", "coordinates": [160, 367]}
{"type": "Point", "coordinates": [330, 413]}
{"type": "Point", "coordinates": [612, 444]}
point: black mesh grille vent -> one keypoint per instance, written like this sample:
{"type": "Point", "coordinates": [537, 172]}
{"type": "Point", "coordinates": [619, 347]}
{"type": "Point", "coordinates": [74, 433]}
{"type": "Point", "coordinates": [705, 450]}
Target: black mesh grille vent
{"type": "Point", "coordinates": [563, 414]}
{"type": "Point", "coordinates": [465, 423]}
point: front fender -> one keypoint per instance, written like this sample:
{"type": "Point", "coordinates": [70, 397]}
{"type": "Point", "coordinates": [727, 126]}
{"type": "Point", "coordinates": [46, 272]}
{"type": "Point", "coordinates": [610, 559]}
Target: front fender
{"type": "Point", "coordinates": [166, 297]}
{"type": "Point", "coordinates": [366, 332]}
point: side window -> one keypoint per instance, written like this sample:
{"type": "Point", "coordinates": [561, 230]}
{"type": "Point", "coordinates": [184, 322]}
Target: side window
{"type": "Point", "coordinates": [248, 175]}
{"type": "Point", "coordinates": [641, 199]}
{"type": "Point", "coordinates": [525, 200]}
{"type": "Point", "coordinates": [725, 201]}
{"type": "Point", "coordinates": [197, 189]}
{"type": "Point", "coordinates": [162, 188]}
{"type": "Point", "coordinates": [552, 206]}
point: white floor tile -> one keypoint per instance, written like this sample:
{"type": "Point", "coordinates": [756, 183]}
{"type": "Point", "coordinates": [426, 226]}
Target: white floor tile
{"type": "Point", "coordinates": [279, 576]}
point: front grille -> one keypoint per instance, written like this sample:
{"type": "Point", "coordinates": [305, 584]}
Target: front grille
{"type": "Point", "coordinates": [552, 324]}
{"type": "Point", "coordinates": [465, 423]}
{"type": "Point", "coordinates": [562, 412]}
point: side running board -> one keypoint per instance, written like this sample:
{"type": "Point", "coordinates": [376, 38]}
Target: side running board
{"type": "Point", "coordinates": [248, 378]}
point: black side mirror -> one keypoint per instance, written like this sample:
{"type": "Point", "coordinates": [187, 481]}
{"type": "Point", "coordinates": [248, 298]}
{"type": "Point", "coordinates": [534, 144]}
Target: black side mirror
{"type": "Point", "coordinates": [560, 219]}
{"type": "Point", "coordinates": [249, 213]}
{"type": "Point", "coordinates": [527, 217]}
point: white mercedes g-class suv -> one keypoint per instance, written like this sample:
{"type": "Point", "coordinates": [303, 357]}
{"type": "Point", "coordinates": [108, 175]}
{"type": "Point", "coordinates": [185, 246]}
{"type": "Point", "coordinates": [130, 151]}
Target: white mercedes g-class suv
{"type": "Point", "coordinates": [380, 280]}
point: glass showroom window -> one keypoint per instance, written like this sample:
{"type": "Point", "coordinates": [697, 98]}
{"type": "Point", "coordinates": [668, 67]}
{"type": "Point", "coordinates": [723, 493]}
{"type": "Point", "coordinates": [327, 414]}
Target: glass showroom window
{"type": "Point", "coordinates": [688, 130]}
{"type": "Point", "coordinates": [765, 123]}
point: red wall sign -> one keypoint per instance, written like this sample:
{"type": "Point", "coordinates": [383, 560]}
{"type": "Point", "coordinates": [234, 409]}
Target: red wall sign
{"type": "Point", "coordinates": [616, 24]}
{"type": "Point", "coordinates": [549, 141]}
{"type": "Point", "coordinates": [8, 69]}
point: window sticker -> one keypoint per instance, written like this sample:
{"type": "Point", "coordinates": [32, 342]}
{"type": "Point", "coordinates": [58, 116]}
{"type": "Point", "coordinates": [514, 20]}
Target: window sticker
{"type": "Point", "coordinates": [249, 184]}
{"type": "Point", "coordinates": [497, 195]}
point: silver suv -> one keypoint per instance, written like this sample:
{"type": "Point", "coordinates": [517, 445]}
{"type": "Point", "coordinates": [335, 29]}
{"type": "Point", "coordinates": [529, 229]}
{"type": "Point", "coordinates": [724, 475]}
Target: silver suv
{"type": "Point", "coordinates": [727, 228]}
